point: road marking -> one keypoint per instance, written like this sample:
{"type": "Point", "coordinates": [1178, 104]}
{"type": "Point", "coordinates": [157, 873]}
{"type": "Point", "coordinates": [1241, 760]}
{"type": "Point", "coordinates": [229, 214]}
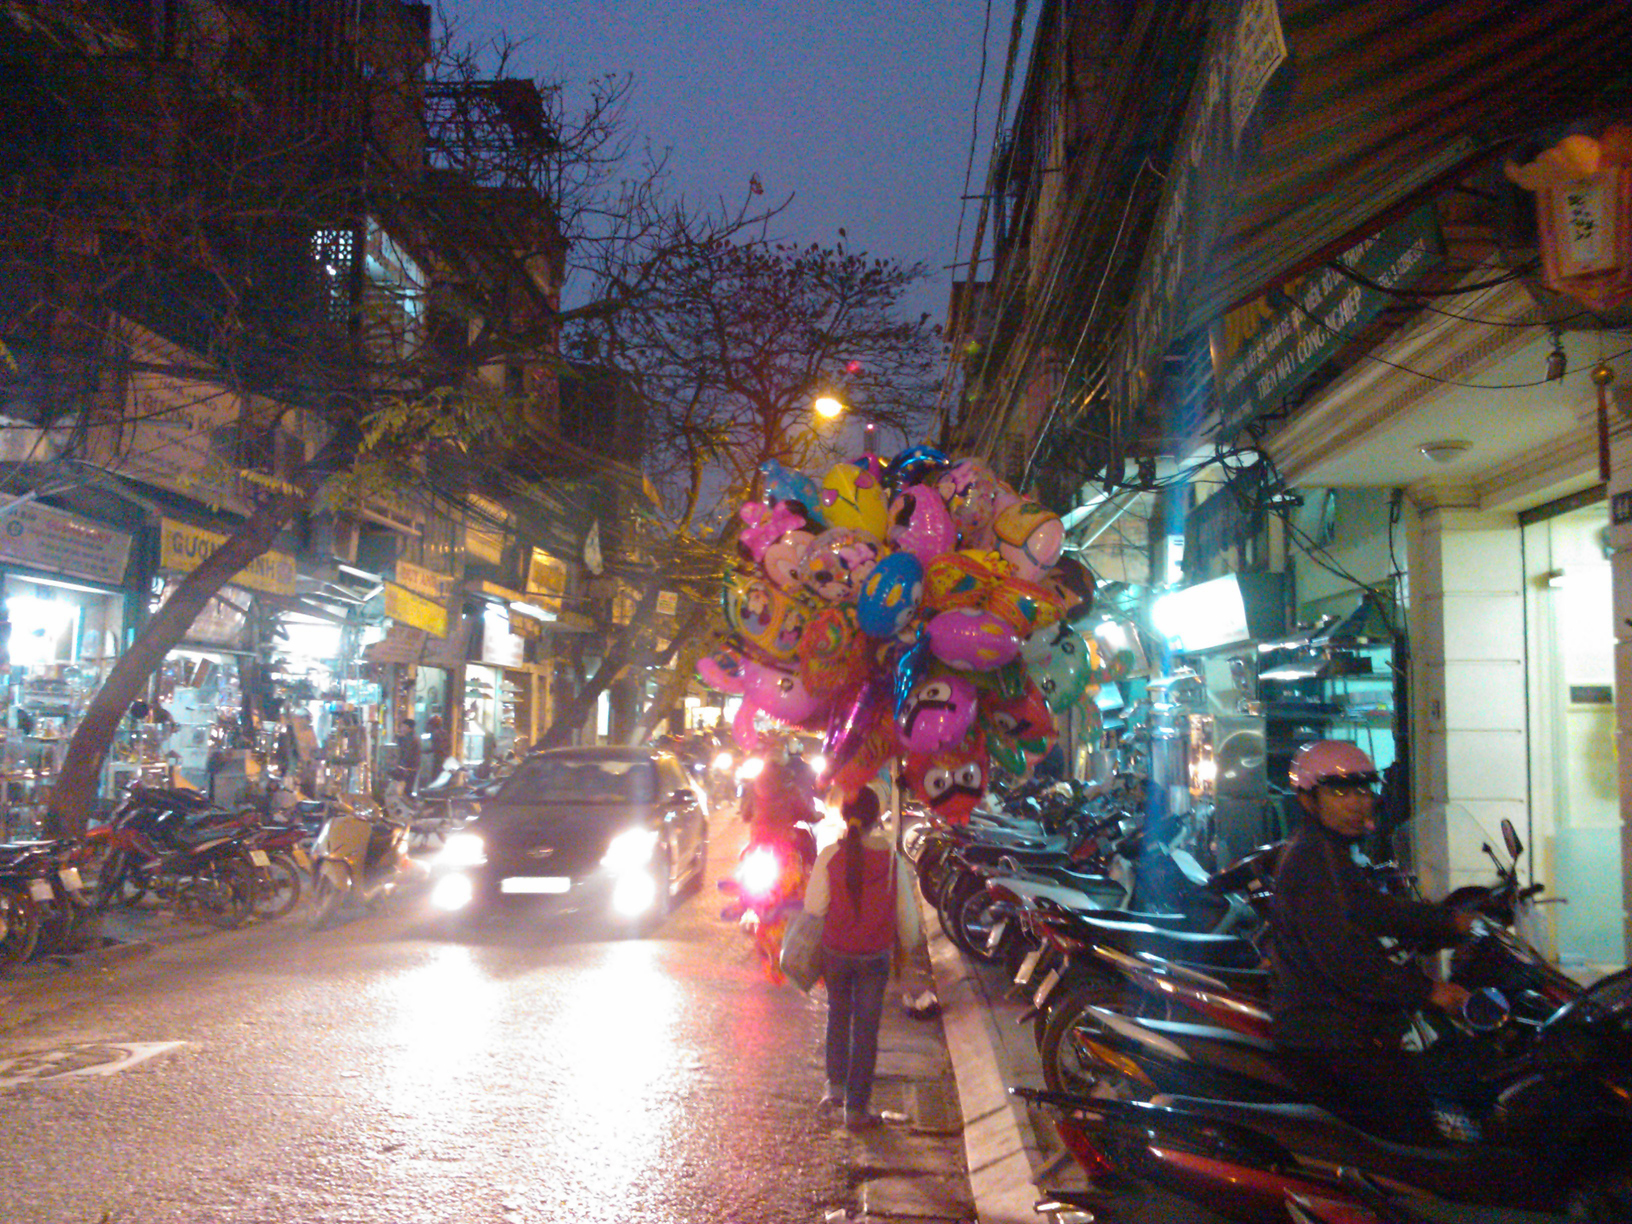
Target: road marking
{"type": "Point", "coordinates": [93, 1058]}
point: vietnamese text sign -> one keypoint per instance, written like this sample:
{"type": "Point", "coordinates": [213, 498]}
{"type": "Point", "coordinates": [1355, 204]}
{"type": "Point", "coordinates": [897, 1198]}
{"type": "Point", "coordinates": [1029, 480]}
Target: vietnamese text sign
{"type": "Point", "coordinates": [403, 605]}
{"type": "Point", "coordinates": [421, 581]}
{"type": "Point", "coordinates": [46, 539]}
{"type": "Point", "coordinates": [546, 581]}
{"type": "Point", "coordinates": [1268, 348]}
{"type": "Point", "coordinates": [183, 548]}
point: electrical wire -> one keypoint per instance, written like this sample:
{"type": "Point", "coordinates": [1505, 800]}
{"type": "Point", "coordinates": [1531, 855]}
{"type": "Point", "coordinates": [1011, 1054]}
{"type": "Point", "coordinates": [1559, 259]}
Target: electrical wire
{"type": "Point", "coordinates": [974, 138]}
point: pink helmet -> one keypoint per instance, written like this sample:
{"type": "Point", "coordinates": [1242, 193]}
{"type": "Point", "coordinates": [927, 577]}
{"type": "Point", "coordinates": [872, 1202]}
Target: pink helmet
{"type": "Point", "coordinates": [1329, 760]}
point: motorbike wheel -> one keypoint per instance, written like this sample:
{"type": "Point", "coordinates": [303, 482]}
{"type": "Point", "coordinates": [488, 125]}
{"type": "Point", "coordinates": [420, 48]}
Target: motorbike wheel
{"type": "Point", "coordinates": [120, 882]}
{"type": "Point", "coordinates": [956, 889]}
{"type": "Point", "coordinates": [225, 893]}
{"type": "Point", "coordinates": [277, 887]}
{"type": "Point", "coordinates": [328, 893]}
{"type": "Point", "coordinates": [975, 920]}
{"type": "Point", "coordinates": [22, 935]}
{"type": "Point", "coordinates": [1067, 1069]}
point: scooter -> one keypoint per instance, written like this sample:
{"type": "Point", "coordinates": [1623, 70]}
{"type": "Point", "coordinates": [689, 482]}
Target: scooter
{"type": "Point", "coordinates": [358, 857]}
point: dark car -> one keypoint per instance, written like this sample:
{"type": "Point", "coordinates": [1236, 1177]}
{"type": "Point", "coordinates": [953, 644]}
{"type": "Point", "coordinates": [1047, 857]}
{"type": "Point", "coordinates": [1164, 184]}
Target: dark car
{"type": "Point", "coordinates": [619, 831]}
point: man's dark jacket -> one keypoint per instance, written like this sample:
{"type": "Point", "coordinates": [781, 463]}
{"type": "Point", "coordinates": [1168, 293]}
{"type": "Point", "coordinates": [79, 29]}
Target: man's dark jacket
{"type": "Point", "coordinates": [1332, 986]}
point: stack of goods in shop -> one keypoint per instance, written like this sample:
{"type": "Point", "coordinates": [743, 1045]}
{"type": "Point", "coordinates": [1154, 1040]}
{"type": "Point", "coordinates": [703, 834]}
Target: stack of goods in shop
{"type": "Point", "coordinates": [916, 612]}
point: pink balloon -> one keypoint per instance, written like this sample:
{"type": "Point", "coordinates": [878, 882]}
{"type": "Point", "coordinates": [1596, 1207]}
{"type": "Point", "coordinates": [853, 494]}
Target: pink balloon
{"type": "Point", "coordinates": [780, 694]}
{"type": "Point", "coordinates": [723, 670]}
{"type": "Point", "coordinates": [972, 639]}
{"type": "Point", "coordinates": [921, 524]}
{"type": "Point", "coordinates": [936, 714]}
{"type": "Point", "coordinates": [743, 729]}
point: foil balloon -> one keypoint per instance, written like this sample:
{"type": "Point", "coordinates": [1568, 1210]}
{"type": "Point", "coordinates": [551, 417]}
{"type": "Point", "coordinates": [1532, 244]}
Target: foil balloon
{"type": "Point", "coordinates": [960, 580]}
{"type": "Point", "coordinates": [786, 484]}
{"type": "Point", "coordinates": [915, 465]}
{"type": "Point", "coordinates": [969, 490]}
{"type": "Point", "coordinates": [921, 524]}
{"type": "Point", "coordinates": [778, 693]}
{"type": "Point", "coordinates": [908, 667]}
{"type": "Point", "coordinates": [971, 639]}
{"type": "Point", "coordinates": [1073, 585]}
{"type": "Point", "coordinates": [853, 496]}
{"type": "Point", "coordinates": [1025, 606]}
{"type": "Point", "coordinates": [743, 728]}
{"type": "Point", "coordinates": [890, 596]}
{"type": "Point", "coordinates": [950, 782]}
{"type": "Point", "coordinates": [1030, 536]}
{"type": "Point", "coordinates": [872, 745]}
{"type": "Point", "coordinates": [776, 538]}
{"type": "Point", "coordinates": [767, 618]}
{"type": "Point", "coordinates": [1020, 727]}
{"type": "Point", "coordinates": [838, 562]}
{"type": "Point", "coordinates": [834, 656]}
{"type": "Point", "coordinates": [723, 669]}
{"type": "Point", "coordinates": [1060, 664]}
{"type": "Point", "coordinates": [937, 714]}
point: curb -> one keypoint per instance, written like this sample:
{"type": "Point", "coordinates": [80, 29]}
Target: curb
{"type": "Point", "coordinates": [1000, 1146]}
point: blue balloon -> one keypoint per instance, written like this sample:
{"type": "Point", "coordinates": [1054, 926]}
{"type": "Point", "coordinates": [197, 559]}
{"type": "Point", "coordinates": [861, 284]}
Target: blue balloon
{"type": "Point", "coordinates": [915, 465]}
{"type": "Point", "coordinates": [889, 597]}
{"type": "Point", "coordinates": [910, 666]}
{"type": "Point", "coordinates": [783, 483]}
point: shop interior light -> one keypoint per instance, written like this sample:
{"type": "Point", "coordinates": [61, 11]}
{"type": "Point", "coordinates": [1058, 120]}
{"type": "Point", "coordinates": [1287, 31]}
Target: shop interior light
{"type": "Point", "coordinates": [532, 610]}
{"type": "Point", "coordinates": [371, 579]}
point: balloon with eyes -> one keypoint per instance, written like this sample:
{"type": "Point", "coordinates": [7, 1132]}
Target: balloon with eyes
{"type": "Point", "coordinates": [785, 484]}
{"type": "Point", "coordinates": [777, 537]}
{"type": "Point", "coordinates": [936, 714]}
{"type": "Point", "coordinates": [1060, 663]}
{"type": "Point", "coordinates": [769, 620]}
{"type": "Point", "coordinates": [838, 563]}
{"type": "Point", "coordinates": [970, 490]}
{"type": "Point", "coordinates": [1030, 536]}
{"type": "Point", "coordinates": [853, 496]}
{"type": "Point", "coordinates": [950, 782]}
{"type": "Point", "coordinates": [1019, 725]}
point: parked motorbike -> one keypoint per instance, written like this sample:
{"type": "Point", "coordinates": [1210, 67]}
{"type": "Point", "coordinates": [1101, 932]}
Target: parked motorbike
{"type": "Point", "coordinates": [358, 857]}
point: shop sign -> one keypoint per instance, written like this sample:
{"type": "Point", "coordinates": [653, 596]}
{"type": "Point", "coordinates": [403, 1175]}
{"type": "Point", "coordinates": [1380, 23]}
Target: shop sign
{"type": "Point", "coordinates": [183, 548]}
{"type": "Point", "coordinates": [46, 539]}
{"type": "Point", "coordinates": [401, 644]}
{"type": "Point", "coordinates": [524, 626]}
{"type": "Point", "coordinates": [546, 581]}
{"type": "Point", "coordinates": [362, 693]}
{"type": "Point", "coordinates": [404, 606]}
{"type": "Point", "coordinates": [1267, 349]}
{"type": "Point", "coordinates": [668, 603]}
{"type": "Point", "coordinates": [421, 581]}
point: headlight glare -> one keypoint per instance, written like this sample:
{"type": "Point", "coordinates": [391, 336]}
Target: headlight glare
{"type": "Point", "coordinates": [462, 849]}
{"type": "Point", "coordinates": [630, 849]}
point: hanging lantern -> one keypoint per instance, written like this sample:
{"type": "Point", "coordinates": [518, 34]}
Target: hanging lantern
{"type": "Point", "coordinates": [1583, 189]}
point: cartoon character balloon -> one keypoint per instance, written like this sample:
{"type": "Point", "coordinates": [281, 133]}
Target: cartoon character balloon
{"type": "Point", "coordinates": [838, 562]}
{"type": "Point", "coordinates": [834, 656]}
{"type": "Point", "coordinates": [853, 496]}
{"type": "Point", "coordinates": [780, 694]}
{"type": "Point", "coordinates": [723, 668]}
{"type": "Point", "coordinates": [938, 713]}
{"type": "Point", "coordinates": [776, 538]}
{"type": "Point", "coordinates": [1020, 727]}
{"type": "Point", "coordinates": [1060, 664]}
{"type": "Point", "coordinates": [1030, 536]}
{"type": "Point", "coordinates": [890, 596]}
{"type": "Point", "coordinates": [950, 782]}
{"type": "Point", "coordinates": [969, 490]}
{"type": "Point", "coordinates": [786, 484]}
{"type": "Point", "coordinates": [767, 619]}
{"type": "Point", "coordinates": [915, 465]}
{"type": "Point", "coordinates": [960, 580]}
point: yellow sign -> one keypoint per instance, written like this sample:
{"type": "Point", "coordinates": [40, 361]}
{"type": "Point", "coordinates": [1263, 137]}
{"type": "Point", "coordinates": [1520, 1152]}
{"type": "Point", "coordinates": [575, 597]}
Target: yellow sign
{"type": "Point", "coordinates": [546, 581]}
{"type": "Point", "coordinates": [423, 581]}
{"type": "Point", "coordinates": [404, 606]}
{"type": "Point", "coordinates": [183, 548]}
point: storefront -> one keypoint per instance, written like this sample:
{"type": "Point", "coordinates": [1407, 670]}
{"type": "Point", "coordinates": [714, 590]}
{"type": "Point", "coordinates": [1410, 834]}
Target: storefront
{"type": "Point", "coordinates": [66, 617]}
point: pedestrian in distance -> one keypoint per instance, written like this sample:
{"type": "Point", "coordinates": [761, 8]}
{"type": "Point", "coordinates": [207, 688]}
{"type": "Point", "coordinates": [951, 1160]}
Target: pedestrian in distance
{"type": "Point", "coordinates": [407, 769]}
{"type": "Point", "coordinates": [864, 892]}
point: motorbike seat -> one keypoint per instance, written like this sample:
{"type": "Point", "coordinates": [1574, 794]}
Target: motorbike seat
{"type": "Point", "coordinates": [991, 855]}
{"type": "Point", "coordinates": [1072, 898]}
{"type": "Point", "coordinates": [176, 798]}
{"type": "Point", "coordinates": [1235, 1054]}
{"type": "Point", "coordinates": [1194, 947]}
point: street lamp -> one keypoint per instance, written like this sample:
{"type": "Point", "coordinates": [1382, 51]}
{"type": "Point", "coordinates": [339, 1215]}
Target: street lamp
{"type": "Point", "coordinates": [828, 408]}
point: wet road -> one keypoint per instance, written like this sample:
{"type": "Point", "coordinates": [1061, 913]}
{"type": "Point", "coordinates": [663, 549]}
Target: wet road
{"type": "Point", "coordinates": [393, 1071]}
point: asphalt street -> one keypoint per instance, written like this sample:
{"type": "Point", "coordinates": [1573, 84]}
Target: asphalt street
{"type": "Point", "coordinates": [395, 1070]}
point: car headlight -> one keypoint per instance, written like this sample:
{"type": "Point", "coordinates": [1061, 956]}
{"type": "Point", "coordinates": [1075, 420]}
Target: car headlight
{"type": "Point", "coordinates": [462, 849]}
{"type": "Point", "coordinates": [630, 849]}
{"type": "Point", "coordinates": [724, 761]}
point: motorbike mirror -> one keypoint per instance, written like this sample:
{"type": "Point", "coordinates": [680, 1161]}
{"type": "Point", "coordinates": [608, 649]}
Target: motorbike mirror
{"type": "Point", "coordinates": [1510, 838]}
{"type": "Point", "coordinates": [1486, 1009]}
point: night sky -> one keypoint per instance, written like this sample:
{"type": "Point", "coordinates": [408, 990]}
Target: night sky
{"type": "Point", "coordinates": [861, 109]}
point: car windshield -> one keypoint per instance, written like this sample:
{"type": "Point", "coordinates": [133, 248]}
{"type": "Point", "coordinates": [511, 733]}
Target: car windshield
{"type": "Point", "coordinates": [564, 779]}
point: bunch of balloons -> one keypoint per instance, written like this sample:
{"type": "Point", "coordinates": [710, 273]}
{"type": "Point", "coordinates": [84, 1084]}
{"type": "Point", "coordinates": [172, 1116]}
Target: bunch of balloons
{"type": "Point", "coordinates": [918, 608]}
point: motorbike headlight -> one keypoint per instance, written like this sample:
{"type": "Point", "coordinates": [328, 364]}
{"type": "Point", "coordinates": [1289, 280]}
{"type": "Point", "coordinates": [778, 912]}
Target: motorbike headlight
{"type": "Point", "coordinates": [818, 764]}
{"type": "Point", "coordinates": [759, 872]}
{"type": "Point", "coordinates": [462, 849]}
{"type": "Point", "coordinates": [630, 849]}
{"type": "Point", "coordinates": [724, 761]}
{"type": "Point", "coordinates": [750, 769]}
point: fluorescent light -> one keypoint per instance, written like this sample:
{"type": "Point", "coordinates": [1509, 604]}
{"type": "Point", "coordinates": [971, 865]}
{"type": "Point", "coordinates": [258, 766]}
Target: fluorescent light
{"type": "Point", "coordinates": [532, 610]}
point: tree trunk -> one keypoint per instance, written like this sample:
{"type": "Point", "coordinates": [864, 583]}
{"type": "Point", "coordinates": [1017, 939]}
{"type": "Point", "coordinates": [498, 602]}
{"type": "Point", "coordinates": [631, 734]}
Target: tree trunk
{"type": "Point", "coordinates": [613, 662]}
{"type": "Point", "coordinates": [674, 684]}
{"type": "Point", "coordinates": [73, 797]}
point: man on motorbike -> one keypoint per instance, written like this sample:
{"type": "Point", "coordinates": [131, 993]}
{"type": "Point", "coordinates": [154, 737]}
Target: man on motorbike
{"type": "Point", "coordinates": [1340, 1005]}
{"type": "Point", "coordinates": [780, 800]}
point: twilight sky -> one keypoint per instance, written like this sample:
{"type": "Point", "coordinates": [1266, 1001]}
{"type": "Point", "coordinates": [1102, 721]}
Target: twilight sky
{"type": "Point", "coordinates": [861, 108]}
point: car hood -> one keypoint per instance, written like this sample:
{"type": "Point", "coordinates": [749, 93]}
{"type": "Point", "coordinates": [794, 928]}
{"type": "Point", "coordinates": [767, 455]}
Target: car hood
{"type": "Point", "coordinates": [585, 827]}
